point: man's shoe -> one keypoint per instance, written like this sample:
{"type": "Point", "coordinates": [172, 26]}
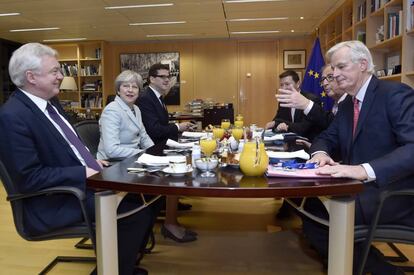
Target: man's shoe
{"type": "Point", "coordinates": [184, 206]}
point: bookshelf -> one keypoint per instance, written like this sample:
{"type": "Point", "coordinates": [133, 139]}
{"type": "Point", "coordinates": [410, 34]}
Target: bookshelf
{"type": "Point", "coordinates": [385, 26]}
{"type": "Point", "coordinates": [84, 62]}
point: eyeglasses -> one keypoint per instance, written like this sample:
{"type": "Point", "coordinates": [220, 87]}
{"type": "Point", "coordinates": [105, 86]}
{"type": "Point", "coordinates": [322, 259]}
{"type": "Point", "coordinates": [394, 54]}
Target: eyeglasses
{"type": "Point", "coordinates": [328, 78]}
{"type": "Point", "coordinates": [164, 77]}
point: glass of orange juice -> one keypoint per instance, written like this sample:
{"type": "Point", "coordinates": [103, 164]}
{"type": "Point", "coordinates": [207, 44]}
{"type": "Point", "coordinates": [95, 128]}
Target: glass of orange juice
{"type": "Point", "coordinates": [208, 145]}
{"type": "Point", "coordinates": [239, 121]}
{"type": "Point", "coordinates": [237, 133]}
{"type": "Point", "coordinates": [225, 123]}
{"type": "Point", "coordinates": [218, 132]}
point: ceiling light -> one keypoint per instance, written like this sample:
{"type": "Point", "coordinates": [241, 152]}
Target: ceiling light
{"type": "Point", "coordinates": [257, 19]}
{"type": "Point", "coordinates": [292, 30]}
{"type": "Point", "coordinates": [251, 1]}
{"type": "Point", "coordinates": [36, 29]}
{"type": "Point", "coordinates": [9, 14]}
{"type": "Point", "coordinates": [139, 6]}
{"type": "Point", "coordinates": [168, 35]}
{"type": "Point", "coordinates": [301, 17]}
{"type": "Point", "coordinates": [254, 32]}
{"type": "Point", "coordinates": [64, 39]}
{"type": "Point", "coordinates": [157, 23]}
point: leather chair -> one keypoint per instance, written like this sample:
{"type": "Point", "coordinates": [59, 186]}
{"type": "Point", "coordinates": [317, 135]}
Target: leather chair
{"type": "Point", "coordinates": [88, 131]}
{"type": "Point", "coordinates": [81, 230]}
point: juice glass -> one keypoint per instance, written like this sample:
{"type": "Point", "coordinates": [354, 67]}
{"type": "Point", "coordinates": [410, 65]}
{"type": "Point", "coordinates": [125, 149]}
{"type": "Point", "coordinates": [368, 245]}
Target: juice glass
{"type": "Point", "coordinates": [237, 132]}
{"type": "Point", "coordinates": [208, 146]}
{"type": "Point", "coordinates": [218, 133]}
{"type": "Point", "coordinates": [225, 123]}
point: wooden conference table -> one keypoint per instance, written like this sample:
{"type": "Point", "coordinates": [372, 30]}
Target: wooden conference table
{"type": "Point", "coordinates": [229, 182]}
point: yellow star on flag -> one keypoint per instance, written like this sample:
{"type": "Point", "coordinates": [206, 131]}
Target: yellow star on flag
{"type": "Point", "coordinates": [323, 94]}
{"type": "Point", "coordinates": [316, 75]}
{"type": "Point", "coordinates": [310, 72]}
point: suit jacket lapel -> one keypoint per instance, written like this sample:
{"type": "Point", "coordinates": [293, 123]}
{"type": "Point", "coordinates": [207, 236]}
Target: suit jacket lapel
{"type": "Point", "coordinates": [366, 104]}
{"type": "Point", "coordinates": [127, 110]}
{"type": "Point", "coordinates": [45, 121]}
{"type": "Point", "coordinates": [160, 109]}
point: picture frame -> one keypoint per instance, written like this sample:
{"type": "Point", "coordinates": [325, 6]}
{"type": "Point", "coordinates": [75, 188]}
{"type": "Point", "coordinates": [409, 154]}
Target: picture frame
{"type": "Point", "coordinates": [141, 62]}
{"type": "Point", "coordinates": [294, 59]}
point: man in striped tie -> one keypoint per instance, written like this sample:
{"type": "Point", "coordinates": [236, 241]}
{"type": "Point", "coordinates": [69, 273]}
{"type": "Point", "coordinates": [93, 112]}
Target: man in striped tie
{"type": "Point", "coordinates": [40, 149]}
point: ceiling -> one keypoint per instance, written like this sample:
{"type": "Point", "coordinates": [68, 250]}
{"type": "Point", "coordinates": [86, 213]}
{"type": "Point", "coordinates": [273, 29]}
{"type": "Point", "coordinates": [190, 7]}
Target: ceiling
{"type": "Point", "coordinates": [204, 19]}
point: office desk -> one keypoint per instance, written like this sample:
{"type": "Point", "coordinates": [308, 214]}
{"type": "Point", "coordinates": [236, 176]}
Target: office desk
{"type": "Point", "coordinates": [229, 182]}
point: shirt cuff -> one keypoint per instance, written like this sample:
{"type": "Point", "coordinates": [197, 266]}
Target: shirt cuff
{"type": "Point", "coordinates": [370, 172]}
{"type": "Point", "coordinates": [178, 126]}
{"type": "Point", "coordinates": [308, 108]}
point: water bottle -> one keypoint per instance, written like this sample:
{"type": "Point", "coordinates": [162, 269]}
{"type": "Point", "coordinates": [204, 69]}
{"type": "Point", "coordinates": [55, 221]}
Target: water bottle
{"type": "Point", "coordinates": [195, 154]}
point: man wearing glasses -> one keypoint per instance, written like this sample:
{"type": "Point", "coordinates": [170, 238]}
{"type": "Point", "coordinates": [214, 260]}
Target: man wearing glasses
{"type": "Point", "coordinates": [153, 110]}
{"type": "Point", "coordinates": [314, 112]}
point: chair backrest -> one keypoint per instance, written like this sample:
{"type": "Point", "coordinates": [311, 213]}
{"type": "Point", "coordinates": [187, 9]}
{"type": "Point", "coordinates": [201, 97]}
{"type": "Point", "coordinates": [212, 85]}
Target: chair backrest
{"type": "Point", "coordinates": [17, 207]}
{"type": "Point", "coordinates": [88, 131]}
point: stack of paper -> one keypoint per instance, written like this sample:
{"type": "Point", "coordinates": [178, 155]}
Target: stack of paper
{"type": "Point", "coordinates": [173, 144]}
{"type": "Point", "coordinates": [152, 160]}
{"type": "Point", "coordinates": [288, 155]}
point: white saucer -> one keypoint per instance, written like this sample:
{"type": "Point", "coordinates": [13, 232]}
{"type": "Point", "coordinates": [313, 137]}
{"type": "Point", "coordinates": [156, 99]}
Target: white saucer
{"type": "Point", "coordinates": [168, 170]}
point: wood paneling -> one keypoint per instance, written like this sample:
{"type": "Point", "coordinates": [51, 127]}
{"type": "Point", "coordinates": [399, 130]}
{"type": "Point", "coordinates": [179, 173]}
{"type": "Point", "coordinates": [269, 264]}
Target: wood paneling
{"type": "Point", "coordinates": [217, 69]}
{"type": "Point", "coordinates": [257, 75]}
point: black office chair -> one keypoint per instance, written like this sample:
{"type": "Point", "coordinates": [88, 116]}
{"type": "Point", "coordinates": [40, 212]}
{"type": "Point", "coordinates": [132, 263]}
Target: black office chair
{"type": "Point", "coordinates": [389, 233]}
{"type": "Point", "coordinates": [88, 131]}
{"type": "Point", "coordinates": [83, 229]}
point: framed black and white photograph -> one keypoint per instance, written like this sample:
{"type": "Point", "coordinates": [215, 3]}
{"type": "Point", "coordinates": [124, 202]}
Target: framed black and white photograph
{"type": "Point", "coordinates": [141, 62]}
{"type": "Point", "coordinates": [294, 59]}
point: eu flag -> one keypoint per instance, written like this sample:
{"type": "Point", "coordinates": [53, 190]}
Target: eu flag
{"type": "Point", "coordinates": [313, 75]}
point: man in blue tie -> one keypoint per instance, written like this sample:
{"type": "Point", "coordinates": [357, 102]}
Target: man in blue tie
{"type": "Point", "coordinates": [40, 149]}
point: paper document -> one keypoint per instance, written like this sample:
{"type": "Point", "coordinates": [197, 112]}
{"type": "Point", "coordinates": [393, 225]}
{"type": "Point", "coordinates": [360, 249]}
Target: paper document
{"type": "Point", "coordinates": [288, 155]}
{"type": "Point", "coordinates": [194, 134]}
{"type": "Point", "coordinates": [148, 159]}
{"type": "Point", "coordinates": [280, 172]}
{"type": "Point", "coordinates": [173, 144]}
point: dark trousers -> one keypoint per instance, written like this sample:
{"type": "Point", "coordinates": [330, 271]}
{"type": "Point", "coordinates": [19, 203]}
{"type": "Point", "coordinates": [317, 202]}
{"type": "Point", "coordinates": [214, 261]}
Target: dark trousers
{"type": "Point", "coordinates": [318, 236]}
{"type": "Point", "coordinates": [133, 231]}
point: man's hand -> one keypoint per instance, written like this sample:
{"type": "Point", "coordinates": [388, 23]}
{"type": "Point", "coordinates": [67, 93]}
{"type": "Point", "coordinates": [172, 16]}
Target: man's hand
{"type": "Point", "coordinates": [103, 163]}
{"type": "Point", "coordinates": [292, 99]}
{"type": "Point", "coordinates": [270, 125]}
{"type": "Point", "coordinates": [184, 126]}
{"type": "Point", "coordinates": [344, 171]}
{"type": "Point", "coordinates": [322, 159]}
{"type": "Point", "coordinates": [282, 127]}
{"type": "Point", "coordinates": [90, 172]}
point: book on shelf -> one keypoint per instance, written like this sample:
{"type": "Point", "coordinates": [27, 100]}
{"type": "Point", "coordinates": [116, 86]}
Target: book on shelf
{"type": "Point", "coordinates": [361, 36]}
{"type": "Point", "coordinates": [394, 24]}
{"type": "Point", "coordinates": [362, 11]}
{"type": "Point", "coordinates": [69, 69]}
{"type": "Point", "coordinates": [410, 15]}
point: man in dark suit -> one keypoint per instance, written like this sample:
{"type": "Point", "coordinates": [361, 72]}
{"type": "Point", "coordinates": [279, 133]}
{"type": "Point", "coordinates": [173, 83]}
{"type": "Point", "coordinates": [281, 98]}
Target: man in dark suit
{"type": "Point", "coordinates": [288, 119]}
{"type": "Point", "coordinates": [153, 110]}
{"type": "Point", "coordinates": [38, 150]}
{"type": "Point", "coordinates": [374, 130]}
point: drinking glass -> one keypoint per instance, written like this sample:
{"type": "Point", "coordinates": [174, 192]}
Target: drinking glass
{"type": "Point", "coordinates": [225, 123]}
{"type": "Point", "coordinates": [208, 146]}
{"type": "Point", "coordinates": [237, 132]}
{"type": "Point", "coordinates": [218, 132]}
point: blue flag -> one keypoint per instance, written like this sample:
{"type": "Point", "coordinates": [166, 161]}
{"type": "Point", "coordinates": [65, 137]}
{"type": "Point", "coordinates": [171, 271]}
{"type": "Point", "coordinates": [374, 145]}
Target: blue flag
{"type": "Point", "coordinates": [313, 75]}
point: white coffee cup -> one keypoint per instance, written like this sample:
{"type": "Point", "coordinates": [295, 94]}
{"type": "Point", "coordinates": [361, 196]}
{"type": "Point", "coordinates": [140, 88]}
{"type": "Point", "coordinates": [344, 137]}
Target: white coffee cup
{"type": "Point", "coordinates": [179, 165]}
